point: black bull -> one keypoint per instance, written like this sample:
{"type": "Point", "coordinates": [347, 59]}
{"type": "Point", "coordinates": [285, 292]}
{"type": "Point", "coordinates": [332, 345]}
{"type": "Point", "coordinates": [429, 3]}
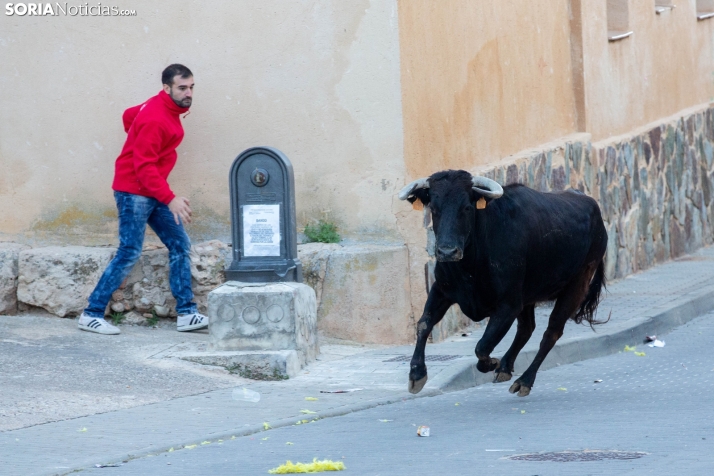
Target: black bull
{"type": "Point", "coordinates": [499, 252]}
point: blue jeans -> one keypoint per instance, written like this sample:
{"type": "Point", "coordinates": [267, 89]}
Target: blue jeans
{"type": "Point", "coordinates": [135, 212]}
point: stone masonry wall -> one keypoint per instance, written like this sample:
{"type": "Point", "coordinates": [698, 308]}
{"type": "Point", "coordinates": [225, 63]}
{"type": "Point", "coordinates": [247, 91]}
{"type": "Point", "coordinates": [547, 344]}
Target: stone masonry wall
{"type": "Point", "coordinates": [9, 256]}
{"type": "Point", "coordinates": [147, 287]}
{"type": "Point", "coordinates": [60, 279]}
{"type": "Point", "coordinates": [654, 186]}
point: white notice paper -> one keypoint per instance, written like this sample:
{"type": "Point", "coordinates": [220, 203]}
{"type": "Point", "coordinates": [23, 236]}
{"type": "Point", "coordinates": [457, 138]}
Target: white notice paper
{"type": "Point", "coordinates": [261, 230]}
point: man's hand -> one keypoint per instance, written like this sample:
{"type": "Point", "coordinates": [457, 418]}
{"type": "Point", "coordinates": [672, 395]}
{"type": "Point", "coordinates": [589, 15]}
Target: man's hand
{"type": "Point", "coordinates": [179, 206]}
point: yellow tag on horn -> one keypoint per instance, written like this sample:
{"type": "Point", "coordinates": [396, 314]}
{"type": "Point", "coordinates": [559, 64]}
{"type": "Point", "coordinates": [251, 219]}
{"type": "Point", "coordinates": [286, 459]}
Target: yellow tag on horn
{"type": "Point", "coordinates": [418, 205]}
{"type": "Point", "coordinates": [481, 203]}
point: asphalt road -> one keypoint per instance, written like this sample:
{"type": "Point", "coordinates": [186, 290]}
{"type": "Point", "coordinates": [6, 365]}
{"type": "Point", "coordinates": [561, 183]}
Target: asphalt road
{"type": "Point", "coordinates": [652, 414]}
{"type": "Point", "coordinates": [52, 371]}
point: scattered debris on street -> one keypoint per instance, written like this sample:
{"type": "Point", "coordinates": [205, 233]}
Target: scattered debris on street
{"type": "Point", "coordinates": [342, 391]}
{"type": "Point", "coordinates": [315, 467]}
{"type": "Point", "coordinates": [423, 431]}
{"type": "Point", "coordinates": [246, 395]}
{"type": "Point", "coordinates": [634, 350]}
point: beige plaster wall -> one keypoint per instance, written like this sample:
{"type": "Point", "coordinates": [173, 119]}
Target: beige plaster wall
{"type": "Point", "coordinates": [318, 80]}
{"type": "Point", "coordinates": [482, 79]}
{"type": "Point", "coordinates": [664, 67]}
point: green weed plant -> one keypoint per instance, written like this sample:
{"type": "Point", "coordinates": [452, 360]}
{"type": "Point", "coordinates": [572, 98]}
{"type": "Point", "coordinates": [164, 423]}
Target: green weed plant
{"type": "Point", "coordinates": [153, 320]}
{"type": "Point", "coordinates": [322, 232]}
{"type": "Point", "coordinates": [117, 317]}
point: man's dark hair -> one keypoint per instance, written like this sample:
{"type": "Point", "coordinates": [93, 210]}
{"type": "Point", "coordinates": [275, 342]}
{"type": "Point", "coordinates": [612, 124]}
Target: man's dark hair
{"type": "Point", "coordinates": [167, 77]}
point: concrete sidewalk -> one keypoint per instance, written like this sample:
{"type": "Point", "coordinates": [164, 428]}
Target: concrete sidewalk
{"type": "Point", "coordinates": [652, 302]}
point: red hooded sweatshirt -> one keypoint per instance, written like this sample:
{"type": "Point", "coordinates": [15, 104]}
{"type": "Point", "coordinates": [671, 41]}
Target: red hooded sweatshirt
{"type": "Point", "coordinates": [153, 132]}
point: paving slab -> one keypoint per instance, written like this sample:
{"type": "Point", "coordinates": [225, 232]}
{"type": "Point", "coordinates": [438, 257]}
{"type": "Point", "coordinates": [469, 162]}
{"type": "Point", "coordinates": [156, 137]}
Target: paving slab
{"type": "Point", "coordinates": [654, 301]}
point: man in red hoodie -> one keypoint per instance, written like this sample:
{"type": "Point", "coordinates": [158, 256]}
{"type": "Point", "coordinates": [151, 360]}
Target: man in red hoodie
{"type": "Point", "coordinates": [143, 196]}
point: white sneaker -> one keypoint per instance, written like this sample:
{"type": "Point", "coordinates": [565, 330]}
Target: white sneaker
{"type": "Point", "coordinates": [97, 324]}
{"type": "Point", "coordinates": [191, 322]}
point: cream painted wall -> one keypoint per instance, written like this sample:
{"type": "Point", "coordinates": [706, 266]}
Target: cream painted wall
{"type": "Point", "coordinates": [482, 79]}
{"type": "Point", "coordinates": [361, 95]}
{"type": "Point", "coordinates": [666, 66]}
{"type": "Point", "coordinates": [318, 80]}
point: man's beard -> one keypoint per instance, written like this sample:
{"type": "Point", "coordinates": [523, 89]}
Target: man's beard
{"type": "Point", "coordinates": [185, 102]}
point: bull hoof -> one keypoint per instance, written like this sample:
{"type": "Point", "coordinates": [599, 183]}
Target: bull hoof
{"type": "Point", "coordinates": [495, 363]}
{"type": "Point", "coordinates": [416, 386]}
{"type": "Point", "coordinates": [502, 377]}
{"type": "Point", "coordinates": [519, 387]}
{"type": "Point", "coordinates": [484, 366]}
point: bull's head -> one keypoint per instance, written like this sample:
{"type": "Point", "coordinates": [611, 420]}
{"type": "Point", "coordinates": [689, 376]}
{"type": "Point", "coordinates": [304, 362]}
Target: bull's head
{"type": "Point", "coordinates": [451, 196]}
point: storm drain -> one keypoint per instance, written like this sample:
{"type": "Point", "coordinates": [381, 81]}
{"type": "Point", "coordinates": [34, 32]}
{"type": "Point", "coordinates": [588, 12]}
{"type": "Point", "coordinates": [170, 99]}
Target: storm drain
{"type": "Point", "coordinates": [429, 358]}
{"type": "Point", "coordinates": [571, 456]}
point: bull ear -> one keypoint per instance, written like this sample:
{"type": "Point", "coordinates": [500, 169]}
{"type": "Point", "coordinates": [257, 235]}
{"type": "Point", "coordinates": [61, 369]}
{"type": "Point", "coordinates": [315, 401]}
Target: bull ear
{"type": "Point", "coordinates": [486, 187]}
{"type": "Point", "coordinates": [417, 189]}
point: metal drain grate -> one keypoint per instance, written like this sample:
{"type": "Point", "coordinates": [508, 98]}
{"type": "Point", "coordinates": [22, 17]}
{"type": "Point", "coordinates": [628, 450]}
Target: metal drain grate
{"type": "Point", "coordinates": [570, 456]}
{"type": "Point", "coordinates": [429, 358]}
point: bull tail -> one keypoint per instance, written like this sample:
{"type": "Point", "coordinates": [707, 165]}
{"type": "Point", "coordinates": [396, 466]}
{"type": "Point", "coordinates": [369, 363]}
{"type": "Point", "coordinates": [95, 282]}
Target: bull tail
{"type": "Point", "coordinates": [589, 305]}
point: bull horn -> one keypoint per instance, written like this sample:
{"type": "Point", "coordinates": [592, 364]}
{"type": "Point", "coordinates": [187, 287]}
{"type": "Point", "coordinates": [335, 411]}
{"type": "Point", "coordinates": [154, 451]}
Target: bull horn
{"type": "Point", "coordinates": [486, 187]}
{"type": "Point", "coordinates": [415, 185]}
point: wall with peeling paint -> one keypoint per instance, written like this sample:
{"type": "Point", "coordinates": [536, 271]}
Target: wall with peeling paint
{"type": "Point", "coordinates": [361, 95]}
{"type": "Point", "coordinates": [665, 66]}
{"type": "Point", "coordinates": [318, 80]}
{"type": "Point", "coordinates": [482, 80]}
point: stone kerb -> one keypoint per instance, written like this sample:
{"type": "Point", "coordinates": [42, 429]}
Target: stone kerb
{"type": "Point", "coordinates": [9, 257]}
{"type": "Point", "coordinates": [59, 279]}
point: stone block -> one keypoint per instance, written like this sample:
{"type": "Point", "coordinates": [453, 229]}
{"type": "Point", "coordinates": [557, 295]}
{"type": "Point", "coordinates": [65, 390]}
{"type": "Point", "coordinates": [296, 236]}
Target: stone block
{"type": "Point", "coordinates": [60, 279]}
{"type": "Point", "coordinates": [314, 258]}
{"type": "Point", "coordinates": [9, 256]}
{"type": "Point", "coordinates": [611, 253]}
{"type": "Point", "coordinates": [134, 318]}
{"type": "Point", "coordinates": [147, 287]}
{"type": "Point", "coordinates": [208, 261]}
{"type": "Point", "coordinates": [365, 295]}
{"type": "Point", "coordinates": [453, 322]}
{"type": "Point", "coordinates": [264, 317]}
